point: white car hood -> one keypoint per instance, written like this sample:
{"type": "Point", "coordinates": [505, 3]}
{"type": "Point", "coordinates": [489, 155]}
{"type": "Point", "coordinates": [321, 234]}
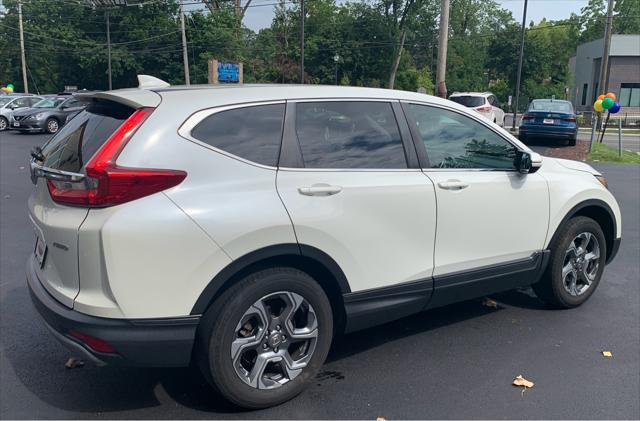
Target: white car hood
{"type": "Point", "coordinates": [575, 165]}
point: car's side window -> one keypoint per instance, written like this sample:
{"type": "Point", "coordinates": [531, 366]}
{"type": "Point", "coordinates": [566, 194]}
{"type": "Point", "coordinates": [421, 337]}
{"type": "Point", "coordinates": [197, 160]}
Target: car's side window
{"type": "Point", "coordinates": [453, 140]}
{"type": "Point", "coordinates": [349, 135]}
{"type": "Point", "coordinates": [72, 103]}
{"type": "Point", "coordinates": [33, 101]}
{"type": "Point", "coordinates": [253, 133]}
{"type": "Point", "coordinates": [21, 102]}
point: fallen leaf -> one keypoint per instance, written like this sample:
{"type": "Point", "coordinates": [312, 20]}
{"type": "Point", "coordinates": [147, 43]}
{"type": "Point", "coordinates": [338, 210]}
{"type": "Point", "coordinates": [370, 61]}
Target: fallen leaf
{"type": "Point", "coordinates": [521, 381]}
{"type": "Point", "coordinates": [607, 354]}
{"type": "Point", "coordinates": [74, 363]}
{"type": "Point", "coordinates": [488, 302]}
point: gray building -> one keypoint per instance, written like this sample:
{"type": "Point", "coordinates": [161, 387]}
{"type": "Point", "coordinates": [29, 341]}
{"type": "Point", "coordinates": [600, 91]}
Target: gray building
{"type": "Point", "coordinates": [624, 72]}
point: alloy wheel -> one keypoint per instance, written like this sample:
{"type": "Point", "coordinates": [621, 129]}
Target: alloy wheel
{"type": "Point", "coordinates": [581, 263]}
{"type": "Point", "coordinates": [3, 124]}
{"type": "Point", "coordinates": [52, 126]}
{"type": "Point", "coordinates": [274, 340]}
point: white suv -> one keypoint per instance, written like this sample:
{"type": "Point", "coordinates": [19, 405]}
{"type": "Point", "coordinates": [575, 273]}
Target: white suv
{"type": "Point", "coordinates": [247, 226]}
{"type": "Point", "coordinates": [486, 104]}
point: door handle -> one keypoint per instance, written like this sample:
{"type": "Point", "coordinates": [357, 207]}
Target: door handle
{"type": "Point", "coordinates": [320, 190]}
{"type": "Point", "coordinates": [452, 185]}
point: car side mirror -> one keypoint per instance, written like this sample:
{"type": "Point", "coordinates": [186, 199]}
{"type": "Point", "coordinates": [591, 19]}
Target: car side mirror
{"type": "Point", "coordinates": [527, 162]}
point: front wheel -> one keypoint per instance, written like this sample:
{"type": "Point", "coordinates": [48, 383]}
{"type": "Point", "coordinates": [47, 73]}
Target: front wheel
{"type": "Point", "coordinates": [577, 260]}
{"type": "Point", "coordinates": [265, 337]}
{"type": "Point", "coordinates": [4, 124]}
{"type": "Point", "coordinates": [52, 126]}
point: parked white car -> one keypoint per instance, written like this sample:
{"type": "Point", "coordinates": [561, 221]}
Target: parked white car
{"type": "Point", "coordinates": [248, 225]}
{"type": "Point", "coordinates": [484, 103]}
{"type": "Point", "coordinates": [9, 103]}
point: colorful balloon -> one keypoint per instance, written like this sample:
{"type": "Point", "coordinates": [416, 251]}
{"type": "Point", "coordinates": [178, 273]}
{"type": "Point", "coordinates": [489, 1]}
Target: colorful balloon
{"type": "Point", "coordinates": [10, 86]}
{"type": "Point", "coordinates": [598, 106]}
{"type": "Point", "coordinates": [607, 103]}
{"type": "Point", "coordinates": [601, 97]}
{"type": "Point", "coordinates": [615, 108]}
{"type": "Point", "coordinates": [612, 96]}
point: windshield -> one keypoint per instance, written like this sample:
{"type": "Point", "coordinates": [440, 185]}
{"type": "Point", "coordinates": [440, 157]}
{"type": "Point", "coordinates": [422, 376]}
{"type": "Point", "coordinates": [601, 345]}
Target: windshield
{"type": "Point", "coordinates": [5, 101]}
{"type": "Point", "coordinates": [48, 103]}
{"type": "Point", "coordinates": [556, 106]}
{"type": "Point", "coordinates": [468, 100]}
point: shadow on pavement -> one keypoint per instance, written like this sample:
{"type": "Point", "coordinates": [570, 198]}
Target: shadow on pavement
{"type": "Point", "coordinates": [115, 389]}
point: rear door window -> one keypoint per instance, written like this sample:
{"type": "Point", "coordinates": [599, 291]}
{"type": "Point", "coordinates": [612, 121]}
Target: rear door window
{"type": "Point", "coordinates": [468, 100]}
{"type": "Point", "coordinates": [349, 135]}
{"type": "Point", "coordinates": [253, 133]}
{"type": "Point", "coordinates": [74, 145]}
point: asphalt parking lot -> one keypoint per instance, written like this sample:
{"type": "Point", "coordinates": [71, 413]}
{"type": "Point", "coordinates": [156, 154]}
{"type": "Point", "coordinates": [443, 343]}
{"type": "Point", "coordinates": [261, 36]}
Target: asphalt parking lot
{"type": "Point", "coordinates": [453, 362]}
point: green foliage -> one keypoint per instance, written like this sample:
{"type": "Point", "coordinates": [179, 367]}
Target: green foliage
{"type": "Point", "coordinates": [66, 44]}
{"type": "Point", "coordinates": [604, 153]}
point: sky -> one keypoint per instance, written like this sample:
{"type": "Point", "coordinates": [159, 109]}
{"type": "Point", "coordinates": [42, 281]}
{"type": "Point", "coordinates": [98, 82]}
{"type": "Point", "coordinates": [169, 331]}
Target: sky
{"type": "Point", "coordinates": [260, 17]}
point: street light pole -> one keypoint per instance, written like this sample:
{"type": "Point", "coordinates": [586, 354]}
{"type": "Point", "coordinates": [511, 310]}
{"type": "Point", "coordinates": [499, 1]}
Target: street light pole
{"type": "Point", "coordinates": [336, 58]}
{"type": "Point", "coordinates": [302, 16]}
{"type": "Point", "coordinates": [108, 49]}
{"type": "Point", "coordinates": [185, 55]}
{"type": "Point", "coordinates": [515, 107]}
{"type": "Point", "coordinates": [25, 82]}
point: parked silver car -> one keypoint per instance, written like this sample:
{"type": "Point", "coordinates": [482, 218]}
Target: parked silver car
{"type": "Point", "coordinates": [9, 103]}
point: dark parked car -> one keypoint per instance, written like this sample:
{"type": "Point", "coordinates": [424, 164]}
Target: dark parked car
{"type": "Point", "coordinates": [549, 118]}
{"type": "Point", "coordinates": [48, 115]}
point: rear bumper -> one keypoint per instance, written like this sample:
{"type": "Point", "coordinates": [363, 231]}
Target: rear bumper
{"type": "Point", "coordinates": [549, 131]}
{"type": "Point", "coordinates": [137, 342]}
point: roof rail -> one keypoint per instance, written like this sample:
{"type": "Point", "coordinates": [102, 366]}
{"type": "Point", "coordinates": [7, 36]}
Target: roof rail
{"type": "Point", "coordinates": [148, 82]}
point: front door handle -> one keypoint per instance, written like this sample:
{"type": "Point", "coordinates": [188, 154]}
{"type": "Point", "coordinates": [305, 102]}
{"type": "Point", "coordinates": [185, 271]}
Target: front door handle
{"type": "Point", "coordinates": [452, 185]}
{"type": "Point", "coordinates": [320, 190]}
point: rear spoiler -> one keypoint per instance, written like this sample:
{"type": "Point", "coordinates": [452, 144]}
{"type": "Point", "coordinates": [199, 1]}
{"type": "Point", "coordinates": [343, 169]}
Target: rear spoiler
{"type": "Point", "coordinates": [134, 98]}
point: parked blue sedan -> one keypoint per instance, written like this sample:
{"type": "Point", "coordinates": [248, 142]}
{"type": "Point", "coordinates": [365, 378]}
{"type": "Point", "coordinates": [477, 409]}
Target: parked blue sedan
{"type": "Point", "coordinates": [549, 118]}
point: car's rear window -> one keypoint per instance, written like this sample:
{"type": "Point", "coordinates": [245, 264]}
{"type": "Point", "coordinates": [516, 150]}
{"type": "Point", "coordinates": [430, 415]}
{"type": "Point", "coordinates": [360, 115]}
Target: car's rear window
{"type": "Point", "coordinates": [74, 145]}
{"type": "Point", "coordinates": [468, 100]}
{"type": "Point", "coordinates": [554, 106]}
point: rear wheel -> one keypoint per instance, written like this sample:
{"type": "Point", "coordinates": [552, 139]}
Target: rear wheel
{"type": "Point", "coordinates": [265, 337]}
{"type": "Point", "coordinates": [4, 124]}
{"type": "Point", "coordinates": [576, 264]}
{"type": "Point", "coordinates": [572, 141]}
{"type": "Point", "coordinates": [52, 126]}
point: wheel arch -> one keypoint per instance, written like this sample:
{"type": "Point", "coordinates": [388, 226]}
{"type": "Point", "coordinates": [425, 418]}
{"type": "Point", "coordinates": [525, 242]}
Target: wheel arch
{"type": "Point", "coordinates": [600, 212]}
{"type": "Point", "coordinates": [308, 259]}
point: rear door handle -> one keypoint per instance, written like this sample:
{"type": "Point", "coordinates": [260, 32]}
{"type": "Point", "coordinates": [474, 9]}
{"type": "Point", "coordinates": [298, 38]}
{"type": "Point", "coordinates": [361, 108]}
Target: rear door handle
{"type": "Point", "coordinates": [320, 190]}
{"type": "Point", "coordinates": [452, 185]}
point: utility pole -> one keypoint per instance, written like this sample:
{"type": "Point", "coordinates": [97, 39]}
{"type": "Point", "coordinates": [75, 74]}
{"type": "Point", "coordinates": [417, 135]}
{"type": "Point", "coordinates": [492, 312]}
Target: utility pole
{"type": "Point", "coordinates": [604, 65]}
{"type": "Point", "coordinates": [108, 49]}
{"type": "Point", "coordinates": [25, 82]}
{"type": "Point", "coordinates": [441, 86]}
{"type": "Point", "coordinates": [515, 106]}
{"type": "Point", "coordinates": [185, 55]}
{"type": "Point", "coordinates": [302, 16]}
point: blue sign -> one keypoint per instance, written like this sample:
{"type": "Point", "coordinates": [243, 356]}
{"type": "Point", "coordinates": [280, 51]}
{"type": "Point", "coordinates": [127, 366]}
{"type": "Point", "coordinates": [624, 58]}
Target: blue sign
{"type": "Point", "coordinates": [228, 73]}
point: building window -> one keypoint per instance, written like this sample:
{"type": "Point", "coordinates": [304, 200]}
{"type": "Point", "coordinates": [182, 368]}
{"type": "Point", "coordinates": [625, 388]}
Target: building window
{"type": "Point", "coordinates": [585, 88]}
{"type": "Point", "coordinates": [630, 95]}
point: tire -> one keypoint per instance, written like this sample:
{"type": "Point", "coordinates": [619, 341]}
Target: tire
{"type": "Point", "coordinates": [555, 289]}
{"type": "Point", "coordinates": [233, 316]}
{"type": "Point", "coordinates": [4, 124]}
{"type": "Point", "coordinates": [572, 142]}
{"type": "Point", "coordinates": [52, 126]}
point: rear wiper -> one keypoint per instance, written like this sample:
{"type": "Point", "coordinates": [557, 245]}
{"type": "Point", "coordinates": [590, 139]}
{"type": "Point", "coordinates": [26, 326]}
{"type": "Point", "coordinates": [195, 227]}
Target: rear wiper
{"type": "Point", "coordinates": [36, 153]}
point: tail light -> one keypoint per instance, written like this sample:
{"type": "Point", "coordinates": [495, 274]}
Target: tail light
{"type": "Point", "coordinates": [570, 119]}
{"type": "Point", "coordinates": [107, 184]}
{"type": "Point", "coordinates": [527, 117]}
{"type": "Point", "coordinates": [484, 109]}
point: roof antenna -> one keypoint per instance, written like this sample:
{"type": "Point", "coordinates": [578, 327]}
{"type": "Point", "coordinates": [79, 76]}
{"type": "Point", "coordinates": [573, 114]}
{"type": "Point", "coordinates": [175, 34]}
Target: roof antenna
{"type": "Point", "coordinates": [148, 82]}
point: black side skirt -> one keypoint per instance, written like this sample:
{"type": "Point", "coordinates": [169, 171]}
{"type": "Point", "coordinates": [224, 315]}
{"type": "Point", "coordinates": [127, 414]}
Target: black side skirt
{"type": "Point", "coordinates": [372, 307]}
